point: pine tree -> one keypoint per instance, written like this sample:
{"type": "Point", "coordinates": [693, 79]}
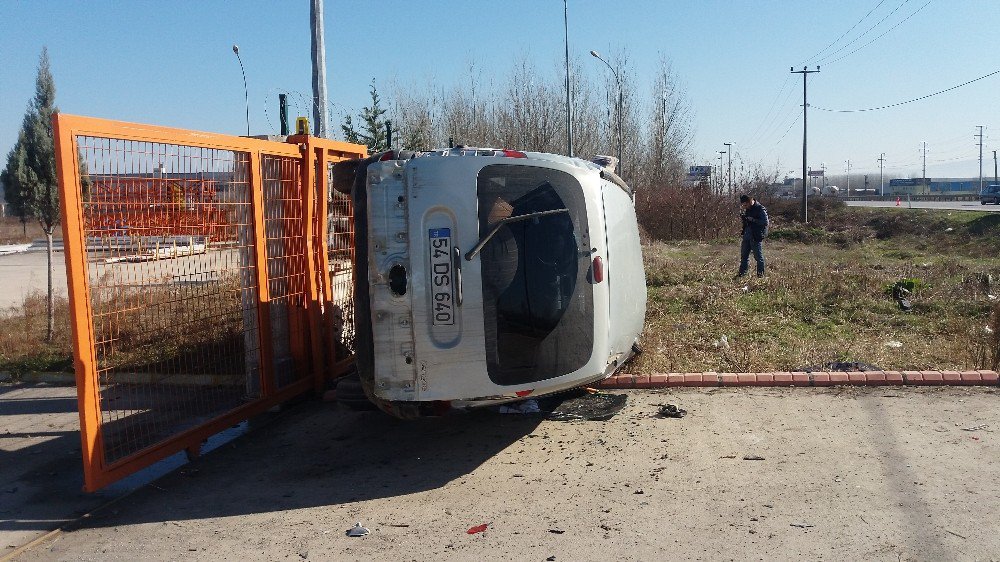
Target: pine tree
{"type": "Point", "coordinates": [372, 133]}
{"type": "Point", "coordinates": [350, 133]}
{"type": "Point", "coordinates": [30, 182]}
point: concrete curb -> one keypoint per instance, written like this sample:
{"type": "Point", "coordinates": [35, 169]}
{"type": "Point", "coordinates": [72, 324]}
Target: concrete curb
{"type": "Point", "coordinates": [868, 378]}
{"type": "Point", "coordinates": [46, 377]}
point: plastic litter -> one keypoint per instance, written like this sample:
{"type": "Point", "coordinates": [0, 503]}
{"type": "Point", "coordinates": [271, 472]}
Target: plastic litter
{"type": "Point", "coordinates": [895, 344]}
{"type": "Point", "coordinates": [478, 529]}
{"type": "Point", "coordinates": [803, 525]}
{"type": "Point", "coordinates": [721, 343]}
{"type": "Point", "coordinates": [529, 406]}
{"type": "Point", "coordinates": [755, 458]}
{"type": "Point", "coordinates": [357, 530]}
{"type": "Point", "coordinates": [671, 411]}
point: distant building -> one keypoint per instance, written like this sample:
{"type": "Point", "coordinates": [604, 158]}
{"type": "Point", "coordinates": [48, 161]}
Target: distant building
{"type": "Point", "coordinates": [934, 186]}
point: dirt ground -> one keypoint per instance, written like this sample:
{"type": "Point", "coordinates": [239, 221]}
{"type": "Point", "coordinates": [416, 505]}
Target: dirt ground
{"type": "Point", "coordinates": [847, 473]}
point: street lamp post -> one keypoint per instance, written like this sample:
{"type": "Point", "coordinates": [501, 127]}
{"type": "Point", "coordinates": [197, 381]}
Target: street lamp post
{"type": "Point", "coordinates": [729, 173]}
{"type": "Point", "coordinates": [619, 108]}
{"type": "Point", "coordinates": [246, 94]}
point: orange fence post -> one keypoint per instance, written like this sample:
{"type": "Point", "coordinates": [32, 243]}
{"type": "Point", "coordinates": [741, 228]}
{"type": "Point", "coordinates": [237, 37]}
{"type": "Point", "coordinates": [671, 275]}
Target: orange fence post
{"type": "Point", "coordinates": [74, 246]}
{"type": "Point", "coordinates": [267, 381]}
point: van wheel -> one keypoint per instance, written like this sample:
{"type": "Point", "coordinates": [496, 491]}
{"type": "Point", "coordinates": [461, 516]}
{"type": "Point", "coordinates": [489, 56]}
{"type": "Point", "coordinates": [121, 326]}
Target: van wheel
{"type": "Point", "coordinates": [350, 393]}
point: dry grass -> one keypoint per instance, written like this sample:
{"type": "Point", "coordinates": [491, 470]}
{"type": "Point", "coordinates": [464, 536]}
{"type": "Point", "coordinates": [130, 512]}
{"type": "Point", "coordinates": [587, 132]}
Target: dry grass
{"type": "Point", "coordinates": [821, 302]}
{"type": "Point", "coordinates": [13, 232]}
{"type": "Point", "coordinates": [22, 337]}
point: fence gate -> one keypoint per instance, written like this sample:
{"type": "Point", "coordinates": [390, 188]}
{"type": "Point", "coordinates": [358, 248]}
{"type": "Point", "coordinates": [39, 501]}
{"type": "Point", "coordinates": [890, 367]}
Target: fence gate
{"type": "Point", "coordinates": [210, 278]}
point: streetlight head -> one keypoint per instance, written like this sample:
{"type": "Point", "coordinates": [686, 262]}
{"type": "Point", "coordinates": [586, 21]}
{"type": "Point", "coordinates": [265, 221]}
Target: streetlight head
{"type": "Point", "coordinates": [594, 53]}
{"type": "Point", "coordinates": [791, 69]}
{"type": "Point", "coordinates": [236, 49]}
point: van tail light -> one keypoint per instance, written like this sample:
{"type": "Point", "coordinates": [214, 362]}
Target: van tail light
{"type": "Point", "coordinates": [598, 270]}
{"type": "Point", "coordinates": [390, 155]}
{"type": "Point", "coordinates": [514, 154]}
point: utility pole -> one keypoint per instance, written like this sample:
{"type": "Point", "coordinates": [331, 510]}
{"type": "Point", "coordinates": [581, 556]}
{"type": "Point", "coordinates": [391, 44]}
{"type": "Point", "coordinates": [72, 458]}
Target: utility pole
{"type": "Point", "coordinates": [995, 168]}
{"type": "Point", "coordinates": [721, 178]}
{"type": "Point", "coordinates": [980, 135]}
{"type": "Point", "coordinates": [620, 106]}
{"type": "Point", "coordinates": [805, 72]}
{"type": "Point", "coordinates": [924, 174]}
{"type": "Point", "coordinates": [320, 117]}
{"type": "Point", "coordinates": [569, 106]}
{"type": "Point", "coordinates": [881, 182]}
{"type": "Point", "coordinates": [848, 178]}
{"type": "Point", "coordinates": [729, 150]}
{"type": "Point", "coordinates": [246, 93]}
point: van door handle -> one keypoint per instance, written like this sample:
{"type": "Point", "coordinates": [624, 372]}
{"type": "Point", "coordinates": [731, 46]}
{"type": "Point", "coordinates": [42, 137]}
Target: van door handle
{"type": "Point", "coordinates": [456, 260]}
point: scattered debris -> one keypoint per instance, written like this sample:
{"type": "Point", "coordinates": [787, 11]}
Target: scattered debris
{"type": "Point", "coordinates": [838, 479]}
{"type": "Point", "coordinates": [556, 531]}
{"type": "Point", "coordinates": [639, 492]}
{"type": "Point", "coordinates": [671, 411]}
{"type": "Point", "coordinates": [956, 534]}
{"type": "Point", "coordinates": [357, 530]}
{"type": "Point", "coordinates": [753, 458]}
{"type": "Point", "coordinates": [721, 343]}
{"type": "Point", "coordinates": [399, 525]}
{"type": "Point", "coordinates": [976, 427]}
{"type": "Point", "coordinates": [802, 525]}
{"type": "Point", "coordinates": [895, 344]}
{"type": "Point", "coordinates": [841, 366]}
{"type": "Point", "coordinates": [529, 406]}
{"type": "Point", "coordinates": [550, 559]}
{"type": "Point", "coordinates": [599, 406]}
{"type": "Point", "coordinates": [728, 457]}
{"type": "Point", "coordinates": [477, 529]}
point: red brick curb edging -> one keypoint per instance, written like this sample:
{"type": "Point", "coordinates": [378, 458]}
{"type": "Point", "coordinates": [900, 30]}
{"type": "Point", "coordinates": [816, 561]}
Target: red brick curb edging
{"type": "Point", "coordinates": [868, 378]}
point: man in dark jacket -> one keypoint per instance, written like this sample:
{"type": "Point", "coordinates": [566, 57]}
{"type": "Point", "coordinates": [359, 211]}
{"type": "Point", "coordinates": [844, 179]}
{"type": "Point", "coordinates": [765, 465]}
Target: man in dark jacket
{"type": "Point", "coordinates": [755, 223]}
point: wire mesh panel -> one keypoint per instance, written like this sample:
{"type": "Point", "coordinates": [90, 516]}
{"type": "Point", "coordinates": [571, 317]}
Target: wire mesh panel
{"type": "Point", "coordinates": [286, 271]}
{"type": "Point", "coordinates": [169, 246]}
{"type": "Point", "coordinates": [195, 299]}
{"type": "Point", "coordinates": [340, 265]}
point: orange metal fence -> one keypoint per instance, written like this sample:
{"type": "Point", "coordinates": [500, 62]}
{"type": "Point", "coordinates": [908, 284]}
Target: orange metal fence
{"type": "Point", "coordinates": [204, 287]}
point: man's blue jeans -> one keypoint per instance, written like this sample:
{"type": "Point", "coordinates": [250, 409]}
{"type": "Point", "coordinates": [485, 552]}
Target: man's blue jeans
{"type": "Point", "coordinates": [748, 245]}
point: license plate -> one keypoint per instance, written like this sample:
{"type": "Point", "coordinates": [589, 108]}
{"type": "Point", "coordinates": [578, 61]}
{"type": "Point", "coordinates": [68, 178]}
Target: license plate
{"type": "Point", "coordinates": [442, 278]}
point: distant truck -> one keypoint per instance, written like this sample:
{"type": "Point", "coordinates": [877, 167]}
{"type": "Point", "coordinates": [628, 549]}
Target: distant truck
{"type": "Point", "coordinates": [487, 276]}
{"type": "Point", "coordinates": [990, 194]}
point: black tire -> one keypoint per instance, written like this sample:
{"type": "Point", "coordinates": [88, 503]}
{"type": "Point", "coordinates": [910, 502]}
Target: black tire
{"type": "Point", "coordinates": [351, 394]}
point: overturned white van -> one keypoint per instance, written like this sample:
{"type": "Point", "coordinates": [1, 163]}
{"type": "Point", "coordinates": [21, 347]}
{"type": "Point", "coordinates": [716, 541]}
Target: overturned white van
{"type": "Point", "coordinates": [486, 276]}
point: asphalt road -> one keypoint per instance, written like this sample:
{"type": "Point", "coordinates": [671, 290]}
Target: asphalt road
{"type": "Point", "coordinates": [940, 205]}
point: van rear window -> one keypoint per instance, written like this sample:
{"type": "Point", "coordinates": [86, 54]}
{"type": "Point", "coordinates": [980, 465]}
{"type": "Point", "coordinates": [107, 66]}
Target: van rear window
{"type": "Point", "coordinates": [537, 302]}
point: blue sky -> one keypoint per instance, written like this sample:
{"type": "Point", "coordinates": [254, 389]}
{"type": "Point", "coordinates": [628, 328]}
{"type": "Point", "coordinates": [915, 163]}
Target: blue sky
{"type": "Point", "coordinates": [171, 63]}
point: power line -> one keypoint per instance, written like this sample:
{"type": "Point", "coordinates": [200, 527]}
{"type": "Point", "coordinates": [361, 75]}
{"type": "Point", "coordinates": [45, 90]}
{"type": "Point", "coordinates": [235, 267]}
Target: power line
{"type": "Point", "coordinates": [776, 120]}
{"type": "Point", "coordinates": [907, 101]}
{"type": "Point", "coordinates": [781, 90]}
{"type": "Point", "coordinates": [845, 33]}
{"type": "Point", "coordinates": [880, 36]}
{"type": "Point", "coordinates": [866, 32]}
